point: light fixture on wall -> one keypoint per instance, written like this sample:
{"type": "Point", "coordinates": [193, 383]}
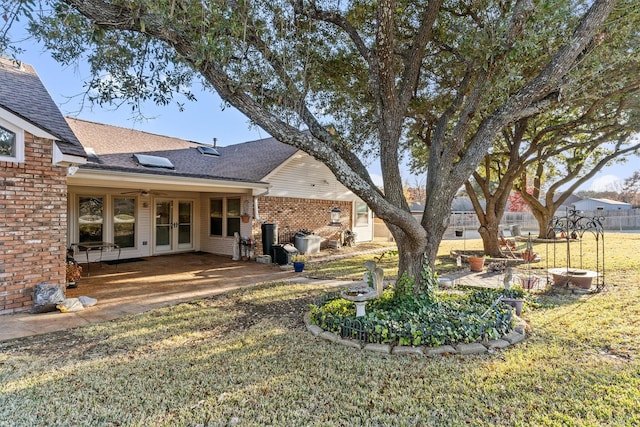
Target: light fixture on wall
{"type": "Point", "coordinates": [72, 169]}
{"type": "Point", "coordinates": [335, 214]}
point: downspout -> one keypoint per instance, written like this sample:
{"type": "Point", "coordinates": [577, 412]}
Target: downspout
{"type": "Point", "coordinates": [256, 215]}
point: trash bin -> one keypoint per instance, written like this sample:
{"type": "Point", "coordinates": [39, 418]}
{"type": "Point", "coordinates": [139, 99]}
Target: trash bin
{"type": "Point", "coordinates": [515, 230]}
{"type": "Point", "coordinates": [308, 244]}
{"type": "Point", "coordinates": [269, 237]}
{"type": "Point", "coordinates": [282, 253]}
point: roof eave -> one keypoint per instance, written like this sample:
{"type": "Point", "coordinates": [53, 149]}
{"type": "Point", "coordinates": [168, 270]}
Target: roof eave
{"type": "Point", "coordinates": [133, 180]}
{"type": "Point", "coordinates": [34, 130]}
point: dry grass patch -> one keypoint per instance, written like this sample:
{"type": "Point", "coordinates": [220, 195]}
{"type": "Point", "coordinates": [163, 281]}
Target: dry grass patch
{"type": "Point", "coordinates": [245, 358]}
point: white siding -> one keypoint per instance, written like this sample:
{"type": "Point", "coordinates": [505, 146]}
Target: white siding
{"type": "Point", "coordinates": [600, 204]}
{"type": "Point", "coordinates": [306, 178]}
{"type": "Point", "coordinates": [217, 244]}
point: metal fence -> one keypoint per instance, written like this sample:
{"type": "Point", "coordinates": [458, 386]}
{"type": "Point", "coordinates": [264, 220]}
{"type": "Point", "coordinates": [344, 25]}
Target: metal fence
{"type": "Point", "coordinates": [613, 220]}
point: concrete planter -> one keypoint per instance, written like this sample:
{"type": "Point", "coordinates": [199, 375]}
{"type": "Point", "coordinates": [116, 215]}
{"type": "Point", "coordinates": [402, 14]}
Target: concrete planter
{"type": "Point", "coordinates": [515, 303]}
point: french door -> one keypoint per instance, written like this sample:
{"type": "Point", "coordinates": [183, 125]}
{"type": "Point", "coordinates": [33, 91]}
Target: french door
{"type": "Point", "coordinates": [173, 225]}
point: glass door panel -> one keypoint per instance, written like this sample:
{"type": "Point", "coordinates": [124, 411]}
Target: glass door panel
{"type": "Point", "coordinates": [164, 225]}
{"type": "Point", "coordinates": [185, 217]}
{"type": "Point", "coordinates": [173, 225]}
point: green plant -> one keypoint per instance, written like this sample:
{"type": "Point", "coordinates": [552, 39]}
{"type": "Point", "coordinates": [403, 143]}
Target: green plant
{"type": "Point", "coordinates": [298, 258]}
{"type": "Point", "coordinates": [419, 319]}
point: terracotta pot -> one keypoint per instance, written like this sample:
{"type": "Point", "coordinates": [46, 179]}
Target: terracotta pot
{"type": "Point", "coordinates": [476, 263]}
{"type": "Point", "coordinates": [245, 218]}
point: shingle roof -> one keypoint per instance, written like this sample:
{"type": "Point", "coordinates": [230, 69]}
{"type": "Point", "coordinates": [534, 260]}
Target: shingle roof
{"type": "Point", "coordinates": [114, 148]}
{"type": "Point", "coordinates": [23, 94]}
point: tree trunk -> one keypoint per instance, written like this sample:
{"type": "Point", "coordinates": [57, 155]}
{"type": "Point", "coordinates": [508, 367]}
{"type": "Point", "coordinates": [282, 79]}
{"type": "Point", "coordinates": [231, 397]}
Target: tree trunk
{"type": "Point", "coordinates": [543, 217]}
{"type": "Point", "coordinates": [489, 233]}
{"type": "Point", "coordinates": [411, 259]}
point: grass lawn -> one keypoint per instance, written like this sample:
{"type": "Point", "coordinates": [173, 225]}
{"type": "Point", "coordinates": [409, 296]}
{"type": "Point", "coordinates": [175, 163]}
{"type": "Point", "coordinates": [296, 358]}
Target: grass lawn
{"type": "Point", "coordinates": [245, 358]}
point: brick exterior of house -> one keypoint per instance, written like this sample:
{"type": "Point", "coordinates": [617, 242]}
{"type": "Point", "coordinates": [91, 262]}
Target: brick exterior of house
{"type": "Point", "coordinates": [292, 214]}
{"type": "Point", "coordinates": [33, 202]}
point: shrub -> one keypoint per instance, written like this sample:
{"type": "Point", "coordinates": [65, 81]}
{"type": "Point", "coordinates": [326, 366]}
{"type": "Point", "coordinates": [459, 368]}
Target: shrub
{"type": "Point", "coordinates": [417, 319]}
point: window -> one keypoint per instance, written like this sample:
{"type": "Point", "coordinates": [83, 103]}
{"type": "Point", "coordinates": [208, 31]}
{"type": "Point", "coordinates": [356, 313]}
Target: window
{"type": "Point", "coordinates": [215, 211]}
{"type": "Point", "coordinates": [91, 219]}
{"type": "Point", "coordinates": [11, 143]}
{"type": "Point", "coordinates": [224, 217]}
{"type": "Point", "coordinates": [124, 221]}
{"type": "Point", "coordinates": [7, 143]}
{"type": "Point", "coordinates": [233, 216]}
{"type": "Point", "coordinates": [362, 214]}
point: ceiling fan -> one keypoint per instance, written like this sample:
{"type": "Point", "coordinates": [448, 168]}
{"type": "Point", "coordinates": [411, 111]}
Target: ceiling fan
{"type": "Point", "coordinates": [144, 193]}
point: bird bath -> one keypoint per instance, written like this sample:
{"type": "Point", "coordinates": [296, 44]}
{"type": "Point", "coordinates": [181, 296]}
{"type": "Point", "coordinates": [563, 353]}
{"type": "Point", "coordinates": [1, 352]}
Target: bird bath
{"type": "Point", "coordinates": [368, 289]}
{"type": "Point", "coordinates": [360, 297]}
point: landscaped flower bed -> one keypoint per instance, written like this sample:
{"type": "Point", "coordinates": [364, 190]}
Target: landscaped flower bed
{"type": "Point", "coordinates": [431, 318]}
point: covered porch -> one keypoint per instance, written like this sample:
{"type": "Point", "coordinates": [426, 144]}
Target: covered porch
{"type": "Point", "coordinates": [143, 285]}
{"type": "Point", "coordinates": [140, 284]}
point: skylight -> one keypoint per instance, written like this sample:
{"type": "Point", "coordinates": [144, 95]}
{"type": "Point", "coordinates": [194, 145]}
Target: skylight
{"type": "Point", "coordinates": [153, 161]}
{"type": "Point", "coordinates": [208, 150]}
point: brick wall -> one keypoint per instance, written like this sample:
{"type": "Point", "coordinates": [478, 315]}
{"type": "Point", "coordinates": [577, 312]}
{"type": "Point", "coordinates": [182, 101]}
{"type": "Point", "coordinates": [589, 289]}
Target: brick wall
{"type": "Point", "coordinates": [33, 225]}
{"type": "Point", "coordinates": [292, 214]}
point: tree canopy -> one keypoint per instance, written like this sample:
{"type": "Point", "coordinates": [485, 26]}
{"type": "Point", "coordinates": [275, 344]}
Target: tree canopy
{"type": "Point", "coordinates": [368, 80]}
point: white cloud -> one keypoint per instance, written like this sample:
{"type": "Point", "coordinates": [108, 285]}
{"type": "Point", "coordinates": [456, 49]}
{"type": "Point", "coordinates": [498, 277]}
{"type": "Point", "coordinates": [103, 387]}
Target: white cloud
{"type": "Point", "coordinates": [607, 183]}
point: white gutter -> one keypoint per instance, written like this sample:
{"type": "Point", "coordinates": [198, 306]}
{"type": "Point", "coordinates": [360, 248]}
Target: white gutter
{"type": "Point", "coordinates": [132, 180]}
{"type": "Point", "coordinates": [256, 214]}
{"type": "Point", "coordinates": [61, 159]}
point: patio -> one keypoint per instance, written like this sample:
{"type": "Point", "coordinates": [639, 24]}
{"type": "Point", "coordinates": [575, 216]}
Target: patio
{"type": "Point", "coordinates": [159, 280]}
{"type": "Point", "coordinates": [145, 284]}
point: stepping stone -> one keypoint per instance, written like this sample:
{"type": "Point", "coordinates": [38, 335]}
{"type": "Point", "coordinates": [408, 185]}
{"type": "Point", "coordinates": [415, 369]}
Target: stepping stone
{"type": "Point", "coordinates": [407, 350]}
{"type": "Point", "coordinates": [442, 350]}
{"type": "Point", "coordinates": [329, 336]}
{"type": "Point", "coordinates": [350, 343]}
{"type": "Point", "coordinates": [378, 348]}
{"type": "Point", "coordinates": [471, 348]}
{"type": "Point", "coordinates": [501, 344]}
{"type": "Point", "coordinates": [513, 337]}
{"type": "Point", "coordinates": [315, 330]}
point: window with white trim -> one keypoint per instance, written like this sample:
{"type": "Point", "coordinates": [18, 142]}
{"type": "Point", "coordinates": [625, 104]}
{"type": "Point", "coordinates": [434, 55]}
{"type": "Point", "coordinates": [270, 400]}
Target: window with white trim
{"type": "Point", "coordinates": [11, 142]}
{"type": "Point", "coordinates": [362, 214]}
{"type": "Point", "coordinates": [124, 221]}
{"type": "Point", "coordinates": [224, 216]}
{"type": "Point", "coordinates": [91, 219]}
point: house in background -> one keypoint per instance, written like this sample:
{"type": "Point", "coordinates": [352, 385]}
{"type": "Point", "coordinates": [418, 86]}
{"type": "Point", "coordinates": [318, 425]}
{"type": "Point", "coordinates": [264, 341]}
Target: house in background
{"type": "Point", "coordinates": [36, 150]}
{"type": "Point", "coordinates": [72, 182]}
{"type": "Point", "coordinates": [591, 204]}
{"type": "Point", "coordinates": [154, 195]}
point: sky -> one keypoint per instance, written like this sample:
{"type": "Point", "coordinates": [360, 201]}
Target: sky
{"type": "Point", "coordinates": [205, 119]}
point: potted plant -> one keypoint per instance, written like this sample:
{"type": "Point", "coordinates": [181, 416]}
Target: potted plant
{"type": "Point", "coordinates": [529, 281]}
{"type": "Point", "coordinates": [298, 262]}
{"type": "Point", "coordinates": [73, 272]}
{"type": "Point", "coordinates": [245, 217]}
{"type": "Point", "coordinates": [476, 263]}
{"type": "Point", "coordinates": [514, 297]}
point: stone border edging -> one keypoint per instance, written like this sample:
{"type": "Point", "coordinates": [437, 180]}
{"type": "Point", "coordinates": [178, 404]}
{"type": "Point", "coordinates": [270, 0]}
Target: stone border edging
{"type": "Point", "coordinates": [513, 337]}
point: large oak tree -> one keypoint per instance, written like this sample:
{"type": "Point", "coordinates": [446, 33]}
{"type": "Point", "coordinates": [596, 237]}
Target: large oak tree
{"type": "Point", "coordinates": [364, 78]}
